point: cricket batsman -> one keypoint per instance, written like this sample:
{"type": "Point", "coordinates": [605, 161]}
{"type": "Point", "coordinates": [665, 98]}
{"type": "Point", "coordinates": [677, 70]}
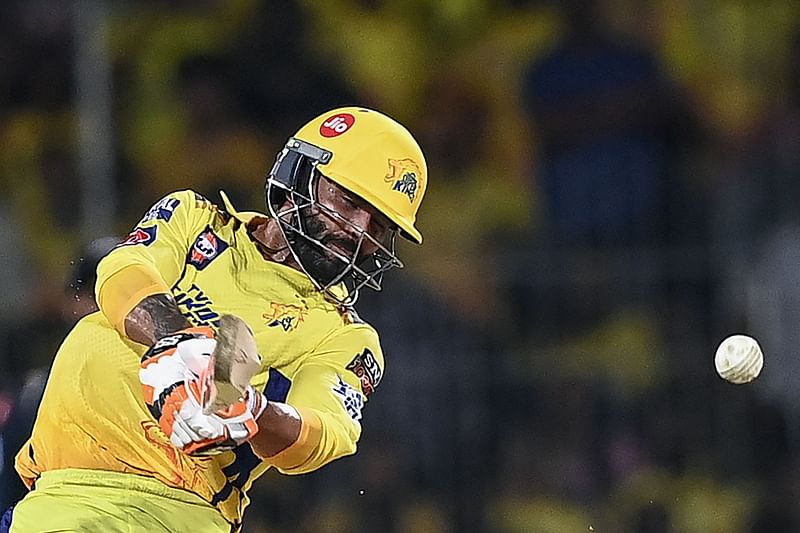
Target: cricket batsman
{"type": "Point", "coordinates": [128, 437]}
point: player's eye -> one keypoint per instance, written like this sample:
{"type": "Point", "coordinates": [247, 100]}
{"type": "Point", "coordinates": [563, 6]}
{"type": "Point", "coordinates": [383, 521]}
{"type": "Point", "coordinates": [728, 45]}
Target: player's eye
{"type": "Point", "coordinates": [350, 201]}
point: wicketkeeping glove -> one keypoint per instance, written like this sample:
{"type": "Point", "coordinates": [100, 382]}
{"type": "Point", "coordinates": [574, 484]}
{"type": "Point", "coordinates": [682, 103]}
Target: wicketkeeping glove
{"type": "Point", "coordinates": [177, 378]}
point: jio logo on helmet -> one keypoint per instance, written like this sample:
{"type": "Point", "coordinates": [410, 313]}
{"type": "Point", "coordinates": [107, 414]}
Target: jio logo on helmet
{"type": "Point", "coordinates": [336, 125]}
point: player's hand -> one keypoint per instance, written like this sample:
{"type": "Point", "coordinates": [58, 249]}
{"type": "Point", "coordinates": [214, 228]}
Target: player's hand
{"type": "Point", "coordinates": [177, 379]}
{"type": "Point", "coordinates": [197, 433]}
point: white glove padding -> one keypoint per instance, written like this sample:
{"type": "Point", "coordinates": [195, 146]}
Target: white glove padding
{"type": "Point", "coordinates": [177, 379]}
{"type": "Point", "coordinates": [199, 434]}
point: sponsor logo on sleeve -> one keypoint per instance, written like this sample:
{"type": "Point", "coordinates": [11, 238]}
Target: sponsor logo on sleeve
{"type": "Point", "coordinates": [139, 235]}
{"type": "Point", "coordinates": [163, 210]}
{"type": "Point", "coordinates": [205, 249]}
{"type": "Point", "coordinates": [351, 399]}
{"type": "Point", "coordinates": [365, 366]}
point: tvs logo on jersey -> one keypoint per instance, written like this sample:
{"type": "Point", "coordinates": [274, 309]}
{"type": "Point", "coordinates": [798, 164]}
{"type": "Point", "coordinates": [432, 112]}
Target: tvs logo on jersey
{"type": "Point", "coordinates": [163, 210]}
{"type": "Point", "coordinates": [351, 399]}
{"type": "Point", "coordinates": [404, 176]}
{"type": "Point", "coordinates": [205, 249]}
{"type": "Point", "coordinates": [144, 236]}
{"type": "Point", "coordinates": [285, 316]}
{"type": "Point", "coordinates": [365, 366]}
{"type": "Point", "coordinates": [197, 307]}
{"type": "Point", "coordinates": [337, 124]}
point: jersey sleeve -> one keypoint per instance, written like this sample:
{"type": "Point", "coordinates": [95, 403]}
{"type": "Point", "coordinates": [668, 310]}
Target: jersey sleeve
{"type": "Point", "coordinates": [152, 257]}
{"type": "Point", "coordinates": [329, 392]}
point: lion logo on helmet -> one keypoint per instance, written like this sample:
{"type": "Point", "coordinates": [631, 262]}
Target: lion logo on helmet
{"type": "Point", "coordinates": [405, 177]}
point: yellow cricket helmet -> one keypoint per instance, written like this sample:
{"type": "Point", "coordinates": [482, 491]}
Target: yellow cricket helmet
{"type": "Point", "coordinates": [374, 157]}
{"type": "Point", "coordinates": [370, 155]}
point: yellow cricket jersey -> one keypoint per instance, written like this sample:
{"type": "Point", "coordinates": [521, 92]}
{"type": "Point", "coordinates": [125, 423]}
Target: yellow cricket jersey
{"type": "Point", "coordinates": [316, 357]}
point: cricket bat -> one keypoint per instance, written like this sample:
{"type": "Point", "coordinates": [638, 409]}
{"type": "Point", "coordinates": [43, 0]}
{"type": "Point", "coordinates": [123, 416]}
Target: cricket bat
{"type": "Point", "coordinates": [233, 364]}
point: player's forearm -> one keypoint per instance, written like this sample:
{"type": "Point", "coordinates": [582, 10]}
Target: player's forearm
{"type": "Point", "coordinates": [279, 427]}
{"type": "Point", "coordinates": [302, 440]}
{"type": "Point", "coordinates": [122, 287]}
{"type": "Point", "coordinates": [154, 317]}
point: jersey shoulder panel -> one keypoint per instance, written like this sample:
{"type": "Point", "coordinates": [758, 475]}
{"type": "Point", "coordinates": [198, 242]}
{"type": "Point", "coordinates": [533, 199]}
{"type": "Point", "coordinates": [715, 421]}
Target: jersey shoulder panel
{"type": "Point", "coordinates": [162, 238]}
{"type": "Point", "coordinates": [176, 218]}
{"type": "Point", "coordinates": [189, 208]}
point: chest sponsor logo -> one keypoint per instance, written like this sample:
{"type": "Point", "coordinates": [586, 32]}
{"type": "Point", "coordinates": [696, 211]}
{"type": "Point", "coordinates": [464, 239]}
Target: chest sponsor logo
{"type": "Point", "coordinates": [205, 249]}
{"type": "Point", "coordinates": [351, 399]}
{"type": "Point", "coordinates": [144, 236]}
{"type": "Point", "coordinates": [365, 366]}
{"type": "Point", "coordinates": [285, 316]}
{"type": "Point", "coordinates": [197, 307]}
{"type": "Point", "coordinates": [163, 210]}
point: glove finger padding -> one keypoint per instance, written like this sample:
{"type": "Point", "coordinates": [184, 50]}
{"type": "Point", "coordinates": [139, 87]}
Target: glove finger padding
{"type": "Point", "coordinates": [223, 430]}
{"type": "Point", "coordinates": [177, 376]}
{"type": "Point", "coordinates": [168, 363]}
{"type": "Point", "coordinates": [220, 431]}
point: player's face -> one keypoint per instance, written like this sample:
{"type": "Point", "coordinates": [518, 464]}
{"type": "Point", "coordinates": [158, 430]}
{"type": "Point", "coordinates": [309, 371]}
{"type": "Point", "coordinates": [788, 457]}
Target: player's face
{"type": "Point", "coordinates": [345, 225]}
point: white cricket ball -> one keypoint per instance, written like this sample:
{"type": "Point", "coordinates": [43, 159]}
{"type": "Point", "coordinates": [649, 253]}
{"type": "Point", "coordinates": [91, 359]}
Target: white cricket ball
{"type": "Point", "coordinates": [739, 359]}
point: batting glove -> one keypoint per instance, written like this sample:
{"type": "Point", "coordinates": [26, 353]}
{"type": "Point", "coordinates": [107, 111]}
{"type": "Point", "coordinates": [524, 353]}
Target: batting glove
{"type": "Point", "coordinates": [177, 379]}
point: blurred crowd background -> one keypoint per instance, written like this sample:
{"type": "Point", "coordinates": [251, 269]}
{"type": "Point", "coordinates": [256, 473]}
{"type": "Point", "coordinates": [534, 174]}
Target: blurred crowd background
{"type": "Point", "coordinates": [613, 190]}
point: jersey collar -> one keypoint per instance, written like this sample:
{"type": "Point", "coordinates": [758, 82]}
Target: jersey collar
{"type": "Point", "coordinates": [244, 216]}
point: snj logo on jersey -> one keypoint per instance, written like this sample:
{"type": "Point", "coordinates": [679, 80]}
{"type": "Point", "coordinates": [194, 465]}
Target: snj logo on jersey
{"type": "Point", "coordinates": [205, 249]}
{"type": "Point", "coordinates": [403, 175]}
{"type": "Point", "coordinates": [286, 316]}
{"type": "Point", "coordinates": [337, 124]}
{"type": "Point", "coordinates": [144, 236]}
{"type": "Point", "coordinates": [365, 366]}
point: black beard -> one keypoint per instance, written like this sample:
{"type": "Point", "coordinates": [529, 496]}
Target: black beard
{"type": "Point", "coordinates": [319, 262]}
